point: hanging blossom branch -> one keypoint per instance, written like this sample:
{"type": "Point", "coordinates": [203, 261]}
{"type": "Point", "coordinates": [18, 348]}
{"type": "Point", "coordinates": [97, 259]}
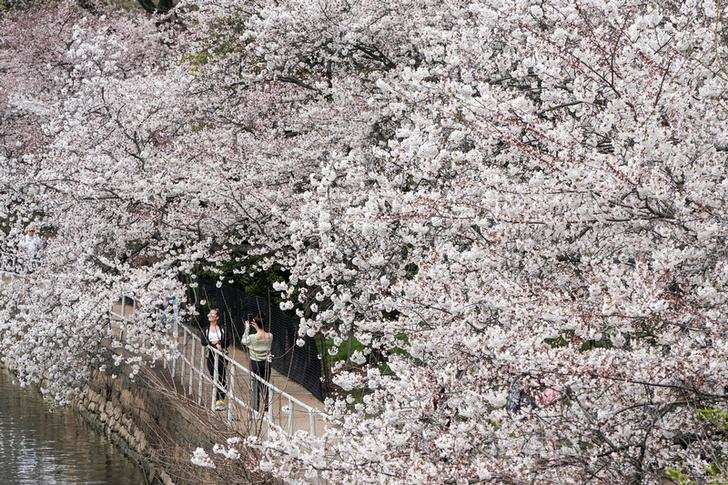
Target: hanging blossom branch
{"type": "Point", "coordinates": [509, 218]}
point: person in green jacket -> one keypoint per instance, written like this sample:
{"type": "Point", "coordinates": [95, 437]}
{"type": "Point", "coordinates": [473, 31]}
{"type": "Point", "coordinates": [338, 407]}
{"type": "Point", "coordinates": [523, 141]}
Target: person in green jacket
{"type": "Point", "coordinates": [259, 345]}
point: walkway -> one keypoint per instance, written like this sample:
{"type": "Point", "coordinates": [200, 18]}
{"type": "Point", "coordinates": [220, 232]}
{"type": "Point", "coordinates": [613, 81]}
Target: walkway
{"type": "Point", "coordinates": [291, 406]}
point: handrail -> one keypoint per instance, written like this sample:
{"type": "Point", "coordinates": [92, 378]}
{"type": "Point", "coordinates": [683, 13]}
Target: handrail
{"type": "Point", "coordinates": [199, 368]}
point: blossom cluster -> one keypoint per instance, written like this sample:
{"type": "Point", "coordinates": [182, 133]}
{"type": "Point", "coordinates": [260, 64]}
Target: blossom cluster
{"type": "Point", "coordinates": [516, 208]}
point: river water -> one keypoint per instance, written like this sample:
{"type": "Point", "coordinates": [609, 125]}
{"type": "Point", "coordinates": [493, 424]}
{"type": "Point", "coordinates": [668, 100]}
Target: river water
{"type": "Point", "coordinates": [40, 445]}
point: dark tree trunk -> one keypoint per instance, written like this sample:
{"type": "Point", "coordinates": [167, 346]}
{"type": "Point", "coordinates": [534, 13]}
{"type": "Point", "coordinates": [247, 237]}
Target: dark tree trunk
{"type": "Point", "coordinates": [163, 6]}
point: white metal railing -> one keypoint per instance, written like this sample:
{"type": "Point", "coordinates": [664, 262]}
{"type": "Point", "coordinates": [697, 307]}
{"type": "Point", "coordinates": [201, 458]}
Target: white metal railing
{"type": "Point", "coordinates": [283, 411]}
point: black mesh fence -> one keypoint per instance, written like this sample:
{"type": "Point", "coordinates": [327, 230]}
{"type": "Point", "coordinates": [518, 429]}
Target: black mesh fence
{"type": "Point", "coordinates": [301, 364]}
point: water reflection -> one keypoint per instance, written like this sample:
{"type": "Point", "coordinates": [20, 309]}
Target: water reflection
{"type": "Point", "coordinates": [39, 446]}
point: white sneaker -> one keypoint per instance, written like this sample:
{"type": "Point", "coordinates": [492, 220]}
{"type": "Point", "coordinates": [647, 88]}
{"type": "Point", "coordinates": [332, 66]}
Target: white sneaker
{"type": "Point", "coordinates": [220, 405]}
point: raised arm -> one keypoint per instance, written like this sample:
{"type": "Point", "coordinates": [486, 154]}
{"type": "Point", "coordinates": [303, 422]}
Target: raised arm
{"type": "Point", "coordinates": [245, 340]}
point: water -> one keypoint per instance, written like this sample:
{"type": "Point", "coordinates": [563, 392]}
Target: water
{"type": "Point", "coordinates": [40, 446]}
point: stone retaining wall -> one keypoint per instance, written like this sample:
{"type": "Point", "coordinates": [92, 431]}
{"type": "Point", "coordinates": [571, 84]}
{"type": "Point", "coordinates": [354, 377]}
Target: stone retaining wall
{"type": "Point", "coordinates": [152, 422]}
{"type": "Point", "coordinates": [107, 418]}
{"type": "Point", "coordinates": [150, 426]}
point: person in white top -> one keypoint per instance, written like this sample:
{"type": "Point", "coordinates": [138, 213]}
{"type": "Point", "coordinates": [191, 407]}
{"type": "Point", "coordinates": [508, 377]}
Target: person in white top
{"type": "Point", "coordinates": [217, 337]}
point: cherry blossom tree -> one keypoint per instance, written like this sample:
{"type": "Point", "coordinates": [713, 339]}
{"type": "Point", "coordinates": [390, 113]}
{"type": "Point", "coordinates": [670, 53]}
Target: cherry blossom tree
{"type": "Point", "coordinates": [56, 317]}
{"type": "Point", "coordinates": [516, 208]}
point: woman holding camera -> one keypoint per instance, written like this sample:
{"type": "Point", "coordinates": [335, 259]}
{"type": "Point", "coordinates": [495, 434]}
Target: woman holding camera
{"type": "Point", "coordinates": [259, 345]}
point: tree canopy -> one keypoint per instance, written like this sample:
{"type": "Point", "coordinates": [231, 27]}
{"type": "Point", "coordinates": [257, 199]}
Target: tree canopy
{"type": "Point", "coordinates": [520, 206]}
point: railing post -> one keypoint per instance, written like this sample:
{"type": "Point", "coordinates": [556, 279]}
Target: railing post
{"type": "Point", "coordinates": [174, 334]}
{"type": "Point", "coordinates": [270, 402]}
{"type": "Point", "coordinates": [192, 361]}
{"type": "Point", "coordinates": [183, 356]}
{"type": "Point", "coordinates": [175, 317]}
{"type": "Point", "coordinates": [199, 374]}
{"type": "Point", "coordinates": [214, 381]}
{"type": "Point", "coordinates": [251, 389]}
{"type": "Point", "coordinates": [231, 393]}
{"type": "Point", "coordinates": [123, 316]}
{"type": "Point", "coordinates": [311, 423]}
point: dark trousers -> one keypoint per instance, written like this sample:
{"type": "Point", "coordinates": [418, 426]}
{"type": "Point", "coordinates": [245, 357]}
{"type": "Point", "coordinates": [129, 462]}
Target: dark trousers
{"type": "Point", "coordinates": [221, 371]}
{"type": "Point", "coordinates": [261, 368]}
